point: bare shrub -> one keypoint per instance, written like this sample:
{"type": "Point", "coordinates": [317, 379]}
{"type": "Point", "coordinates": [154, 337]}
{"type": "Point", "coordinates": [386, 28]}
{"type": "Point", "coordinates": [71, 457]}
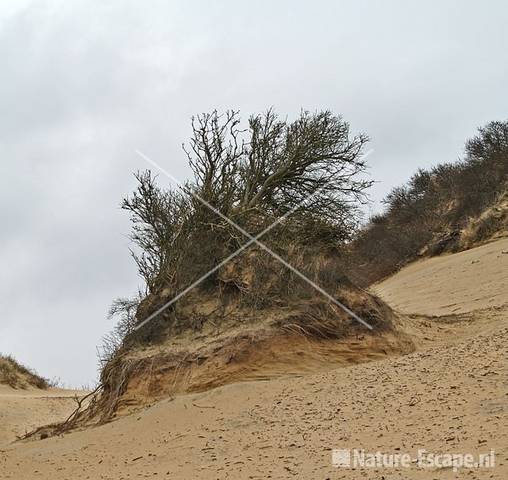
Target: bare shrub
{"type": "Point", "coordinates": [123, 312]}
{"type": "Point", "coordinates": [433, 207]}
{"type": "Point", "coordinates": [252, 173]}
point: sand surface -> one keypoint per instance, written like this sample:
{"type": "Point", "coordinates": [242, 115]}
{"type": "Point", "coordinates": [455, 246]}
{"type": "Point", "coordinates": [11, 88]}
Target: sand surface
{"type": "Point", "coordinates": [22, 410]}
{"type": "Point", "coordinates": [451, 396]}
{"type": "Point", "coordinates": [472, 280]}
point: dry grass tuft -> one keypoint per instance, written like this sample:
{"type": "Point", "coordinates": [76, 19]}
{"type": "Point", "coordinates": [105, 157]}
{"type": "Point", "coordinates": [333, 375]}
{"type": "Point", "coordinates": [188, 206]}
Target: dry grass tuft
{"type": "Point", "coordinates": [16, 375]}
{"type": "Point", "coordinates": [493, 223]}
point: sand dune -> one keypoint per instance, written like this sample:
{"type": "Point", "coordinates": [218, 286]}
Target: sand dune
{"type": "Point", "coordinates": [448, 397]}
{"type": "Point", "coordinates": [22, 410]}
{"type": "Point", "coordinates": [472, 280]}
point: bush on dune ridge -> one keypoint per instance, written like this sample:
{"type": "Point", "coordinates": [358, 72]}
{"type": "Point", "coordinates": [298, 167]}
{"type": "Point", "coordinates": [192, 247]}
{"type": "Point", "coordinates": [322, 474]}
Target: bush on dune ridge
{"type": "Point", "coordinates": [437, 209]}
{"type": "Point", "coordinates": [311, 168]}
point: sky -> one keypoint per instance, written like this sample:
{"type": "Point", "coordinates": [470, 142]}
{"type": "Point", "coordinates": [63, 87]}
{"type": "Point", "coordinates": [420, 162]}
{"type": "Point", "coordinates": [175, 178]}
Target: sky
{"type": "Point", "coordinates": [84, 84]}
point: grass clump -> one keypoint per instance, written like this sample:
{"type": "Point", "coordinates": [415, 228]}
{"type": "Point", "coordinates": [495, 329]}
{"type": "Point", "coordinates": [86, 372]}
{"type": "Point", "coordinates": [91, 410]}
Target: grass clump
{"type": "Point", "coordinates": [16, 375]}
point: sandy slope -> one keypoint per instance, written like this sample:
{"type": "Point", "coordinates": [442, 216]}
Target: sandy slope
{"type": "Point", "coordinates": [451, 396]}
{"type": "Point", "coordinates": [471, 280]}
{"type": "Point", "coordinates": [23, 410]}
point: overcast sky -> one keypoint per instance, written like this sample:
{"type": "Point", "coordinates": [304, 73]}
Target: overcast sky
{"type": "Point", "coordinates": [85, 84]}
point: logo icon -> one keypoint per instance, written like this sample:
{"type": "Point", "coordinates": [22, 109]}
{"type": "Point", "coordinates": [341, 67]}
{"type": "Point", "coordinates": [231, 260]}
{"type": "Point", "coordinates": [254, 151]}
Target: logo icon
{"type": "Point", "coordinates": [341, 458]}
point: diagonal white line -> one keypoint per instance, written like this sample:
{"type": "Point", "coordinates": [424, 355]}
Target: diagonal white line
{"type": "Point", "coordinates": [252, 240]}
{"type": "Point", "coordinates": [226, 260]}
